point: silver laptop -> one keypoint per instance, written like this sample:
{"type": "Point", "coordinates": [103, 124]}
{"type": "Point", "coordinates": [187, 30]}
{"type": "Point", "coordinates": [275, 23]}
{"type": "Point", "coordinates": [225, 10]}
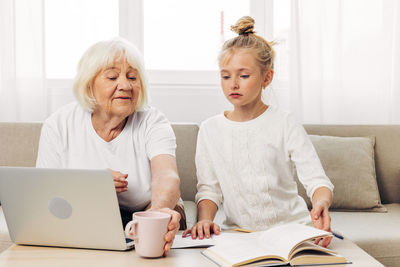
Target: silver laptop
{"type": "Point", "coordinates": [62, 207]}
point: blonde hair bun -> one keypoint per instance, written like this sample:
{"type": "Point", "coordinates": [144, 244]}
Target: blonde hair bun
{"type": "Point", "coordinates": [248, 40]}
{"type": "Point", "coordinates": [244, 26]}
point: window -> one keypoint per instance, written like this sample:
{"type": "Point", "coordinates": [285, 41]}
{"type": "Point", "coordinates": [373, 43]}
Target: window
{"type": "Point", "coordinates": [187, 35]}
{"type": "Point", "coordinates": [71, 27]}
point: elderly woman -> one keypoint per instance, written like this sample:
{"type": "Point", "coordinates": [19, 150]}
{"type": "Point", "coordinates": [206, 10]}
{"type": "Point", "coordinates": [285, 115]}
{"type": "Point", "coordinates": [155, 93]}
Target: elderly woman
{"type": "Point", "coordinates": [111, 127]}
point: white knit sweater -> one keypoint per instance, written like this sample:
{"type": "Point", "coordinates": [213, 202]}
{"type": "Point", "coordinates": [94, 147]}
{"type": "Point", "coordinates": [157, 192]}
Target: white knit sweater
{"type": "Point", "coordinates": [248, 167]}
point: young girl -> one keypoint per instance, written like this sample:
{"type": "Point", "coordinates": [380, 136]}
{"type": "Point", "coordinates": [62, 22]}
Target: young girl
{"type": "Point", "coordinates": [245, 157]}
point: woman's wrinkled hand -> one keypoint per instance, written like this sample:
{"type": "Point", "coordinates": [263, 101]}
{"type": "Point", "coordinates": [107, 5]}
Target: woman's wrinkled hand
{"type": "Point", "coordinates": [173, 227]}
{"type": "Point", "coordinates": [203, 228]}
{"type": "Point", "coordinates": [321, 220]}
{"type": "Point", "coordinates": [120, 182]}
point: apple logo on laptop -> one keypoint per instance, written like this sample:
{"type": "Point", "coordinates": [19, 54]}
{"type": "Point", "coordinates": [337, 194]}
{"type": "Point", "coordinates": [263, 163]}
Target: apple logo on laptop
{"type": "Point", "coordinates": [60, 208]}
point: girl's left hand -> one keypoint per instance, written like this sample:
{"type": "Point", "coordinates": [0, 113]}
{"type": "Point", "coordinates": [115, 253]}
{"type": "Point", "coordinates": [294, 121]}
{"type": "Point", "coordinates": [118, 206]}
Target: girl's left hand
{"type": "Point", "coordinates": [321, 220]}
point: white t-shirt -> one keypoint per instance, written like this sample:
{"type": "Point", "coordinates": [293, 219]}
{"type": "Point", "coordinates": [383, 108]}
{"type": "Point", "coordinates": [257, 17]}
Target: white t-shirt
{"type": "Point", "coordinates": [249, 166]}
{"type": "Point", "coordinates": [68, 140]}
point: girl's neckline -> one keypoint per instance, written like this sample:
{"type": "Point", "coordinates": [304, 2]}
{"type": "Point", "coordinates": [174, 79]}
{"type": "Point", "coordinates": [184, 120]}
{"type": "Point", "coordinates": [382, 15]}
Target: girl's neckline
{"type": "Point", "coordinates": [245, 122]}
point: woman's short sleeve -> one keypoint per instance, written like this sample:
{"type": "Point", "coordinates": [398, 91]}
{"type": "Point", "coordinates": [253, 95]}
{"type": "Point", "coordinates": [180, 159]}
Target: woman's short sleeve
{"type": "Point", "coordinates": [160, 138]}
{"type": "Point", "coordinates": [50, 148]}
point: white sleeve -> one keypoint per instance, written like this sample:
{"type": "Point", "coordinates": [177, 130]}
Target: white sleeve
{"type": "Point", "coordinates": [301, 151]}
{"type": "Point", "coordinates": [160, 138]}
{"type": "Point", "coordinates": [208, 186]}
{"type": "Point", "coordinates": [50, 148]}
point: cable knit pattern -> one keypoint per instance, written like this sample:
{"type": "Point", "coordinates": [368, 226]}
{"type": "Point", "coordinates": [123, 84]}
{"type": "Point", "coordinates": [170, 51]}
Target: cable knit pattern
{"type": "Point", "coordinates": [248, 168]}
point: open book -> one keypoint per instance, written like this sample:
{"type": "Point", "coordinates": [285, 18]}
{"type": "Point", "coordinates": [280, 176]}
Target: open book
{"type": "Point", "coordinates": [289, 244]}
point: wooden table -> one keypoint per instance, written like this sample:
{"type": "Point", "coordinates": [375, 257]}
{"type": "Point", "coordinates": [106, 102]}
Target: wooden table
{"type": "Point", "coordinates": [18, 255]}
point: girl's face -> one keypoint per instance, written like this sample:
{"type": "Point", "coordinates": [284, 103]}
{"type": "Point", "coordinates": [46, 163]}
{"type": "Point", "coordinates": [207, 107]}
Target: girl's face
{"type": "Point", "coordinates": [242, 80]}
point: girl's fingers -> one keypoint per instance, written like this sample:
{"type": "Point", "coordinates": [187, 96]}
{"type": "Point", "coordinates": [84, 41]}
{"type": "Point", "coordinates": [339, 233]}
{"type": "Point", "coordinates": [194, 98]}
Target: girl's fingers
{"type": "Point", "coordinates": [194, 232]}
{"type": "Point", "coordinates": [200, 231]}
{"type": "Point", "coordinates": [207, 230]}
{"type": "Point", "coordinates": [326, 241]}
{"type": "Point", "coordinates": [186, 232]}
{"type": "Point", "coordinates": [216, 229]}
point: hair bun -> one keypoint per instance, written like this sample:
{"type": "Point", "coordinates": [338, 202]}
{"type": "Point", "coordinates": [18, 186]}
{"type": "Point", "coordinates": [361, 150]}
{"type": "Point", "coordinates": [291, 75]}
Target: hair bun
{"type": "Point", "coordinates": [244, 26]}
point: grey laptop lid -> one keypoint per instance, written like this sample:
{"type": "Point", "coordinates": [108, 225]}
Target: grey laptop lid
{"type": "Point", "coordinates": [62, 207]}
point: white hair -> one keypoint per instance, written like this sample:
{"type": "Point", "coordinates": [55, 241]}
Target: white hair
{"type": "Point", "coordinates": [100, 56]}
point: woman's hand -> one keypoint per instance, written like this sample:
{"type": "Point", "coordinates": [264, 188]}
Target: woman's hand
{"type": "Point", "coordinates": [120, 182]}
{"type": "Point", "coordinates": [203, 228]}
{"type": "Point", "coordinates": [321, 219]}
{"type": "Point", "coordinates": [173, 227]}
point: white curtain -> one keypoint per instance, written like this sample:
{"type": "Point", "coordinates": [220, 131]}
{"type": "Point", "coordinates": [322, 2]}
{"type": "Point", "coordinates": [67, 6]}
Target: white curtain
{"type": "Point", "coordinates": [344, 61]}
{"type": "Point", "coordinates": [22, 63]}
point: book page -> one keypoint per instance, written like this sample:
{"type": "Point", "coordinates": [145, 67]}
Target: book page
{"type": "Point", "coordinates": [308, 257]}
{"type": "Point", "coordinates": [309, 245]}
{"type": "Point", "coordinates": [284, 238]}
{"type": "Point", "coordinates": [239, 252]}
{"type": "Point", "coordinates": [309, 253]}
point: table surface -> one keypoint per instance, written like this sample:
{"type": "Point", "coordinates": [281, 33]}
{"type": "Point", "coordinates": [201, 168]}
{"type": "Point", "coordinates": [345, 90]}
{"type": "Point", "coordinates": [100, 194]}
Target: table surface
{"type": "Point", "coordinates": [18, 255]}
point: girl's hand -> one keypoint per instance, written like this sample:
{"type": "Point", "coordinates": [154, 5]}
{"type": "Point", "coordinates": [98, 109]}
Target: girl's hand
{"type": "Point", "coordinates": [203, 228]}
{"type": "Point", "coordinates": [321, 220]}
{"type": "Point", "coordinates": [120, 183]}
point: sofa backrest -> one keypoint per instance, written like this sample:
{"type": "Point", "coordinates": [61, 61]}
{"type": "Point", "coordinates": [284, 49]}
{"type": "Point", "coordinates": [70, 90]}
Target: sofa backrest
{"type": "Point", "coordinates": [387, 153]}
{"type": "Point", "coordinates": [186, 139]}
{"type": "Point", "coordinates": [19, 144]}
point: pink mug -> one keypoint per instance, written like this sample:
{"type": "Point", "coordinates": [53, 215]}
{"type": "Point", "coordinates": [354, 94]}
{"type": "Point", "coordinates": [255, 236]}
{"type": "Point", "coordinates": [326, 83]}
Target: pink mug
{"type": "Point", "coordinates": [149, 229]}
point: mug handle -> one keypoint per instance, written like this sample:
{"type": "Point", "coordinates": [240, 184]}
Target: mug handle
{"type": "Point", "coordinates": [131, 225]}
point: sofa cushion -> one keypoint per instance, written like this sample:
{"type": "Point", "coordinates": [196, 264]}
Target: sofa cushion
{"type": "Point", "coordinates": [377, 233]}
{"type": "Point", "coordinates": [349, 163]}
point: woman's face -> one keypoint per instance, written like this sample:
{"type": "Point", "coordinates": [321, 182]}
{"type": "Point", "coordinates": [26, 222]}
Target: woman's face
{"type": "Point", "coordinates": [242, 80]}
{"type": "Point", "coordinates": [116, 90]}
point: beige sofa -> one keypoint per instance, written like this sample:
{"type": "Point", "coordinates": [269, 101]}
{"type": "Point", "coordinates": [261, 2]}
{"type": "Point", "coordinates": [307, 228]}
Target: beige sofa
{"type": "Point", "coordinates": [376, 232]}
